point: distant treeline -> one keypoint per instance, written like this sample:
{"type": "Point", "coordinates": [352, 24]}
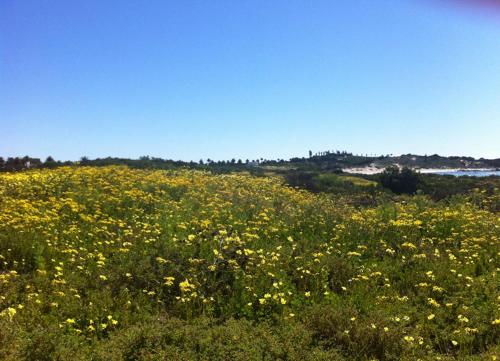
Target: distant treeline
{"type": "Point", "coordinates": [17, 163]}
{"type": "Point", "coordinates": [321, 161]}
{"type": "Point", "coordinates": [335, 160]}
{"type": "Point", "coordinates": [13, 164]}
{"type": "Point", "coordinates": [343, 159]}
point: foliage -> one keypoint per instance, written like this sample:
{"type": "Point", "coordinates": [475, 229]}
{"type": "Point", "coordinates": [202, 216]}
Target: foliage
{"type": "Point", "coordinates": [399, 180]}
{"type": "Point", "coordinates": [443, 186]}
{"type": "Point", "coordinates": [113, 263]}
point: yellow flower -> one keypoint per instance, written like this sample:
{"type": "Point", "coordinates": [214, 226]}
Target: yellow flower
{"type": "Point", "coordinates": [185, 286]}
{"type": "Point", "coordinates": [431, 316]}
{"type": "Point", "coordinates": [433, 302]}
{"type": "Point", "coordinates": [10, 312]}
{"type": "Point", "coordinates": [161, 260]}
{"type": "Point", "coordinates": [169, 280]}
{"type": "Point", "coordinates": [408, 339]}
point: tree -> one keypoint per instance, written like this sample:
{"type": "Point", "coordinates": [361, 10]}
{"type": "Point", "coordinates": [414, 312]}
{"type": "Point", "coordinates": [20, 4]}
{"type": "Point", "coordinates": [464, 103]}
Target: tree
{"type": "Point", "coordinates": [84, 160]}
{"type": "Point", "coordinates": [49, 162]}
{"type": "Point", "coordinates": [399, 181]}
{"type": "Point", "coordinates": [14, 164]}
{"type": "Point", "coordinates": [310, 154]}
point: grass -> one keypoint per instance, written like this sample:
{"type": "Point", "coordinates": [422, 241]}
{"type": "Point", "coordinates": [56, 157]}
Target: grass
{"type": "Point", "coordinates": [358, 181]}
{"type": "Point", "coordinates": [113, 263]}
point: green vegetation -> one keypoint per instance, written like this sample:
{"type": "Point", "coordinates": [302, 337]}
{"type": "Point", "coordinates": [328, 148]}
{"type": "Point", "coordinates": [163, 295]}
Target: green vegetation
{"type": "Point", "coordinates": [400, 180]}
{"type": "Point", "coordinates": [329, 161]}
{"type": "Point", "coordinates": [114, 263]}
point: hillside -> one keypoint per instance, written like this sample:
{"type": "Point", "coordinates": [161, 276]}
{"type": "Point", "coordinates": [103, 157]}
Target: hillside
{"type": "Point", "coordinates": [326, 161]}
{"type": "Point", "coordinates": [344, 160]}
{"type": "Point", "coordinates": [113, 263]}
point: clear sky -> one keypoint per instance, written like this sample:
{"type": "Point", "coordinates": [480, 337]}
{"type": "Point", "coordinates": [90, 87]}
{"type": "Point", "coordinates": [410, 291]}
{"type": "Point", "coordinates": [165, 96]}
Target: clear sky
{"type": "Point", "coordinates": [248, 79]}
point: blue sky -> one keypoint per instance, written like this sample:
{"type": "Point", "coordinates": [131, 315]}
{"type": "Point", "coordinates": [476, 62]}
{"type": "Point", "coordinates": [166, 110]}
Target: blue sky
{"type": "Point", "coordinates": [247, 79]}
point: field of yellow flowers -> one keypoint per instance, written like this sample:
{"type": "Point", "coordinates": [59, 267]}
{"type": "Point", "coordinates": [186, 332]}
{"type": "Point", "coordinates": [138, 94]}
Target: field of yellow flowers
{"type": "Point", "coordinates": [119, 264]}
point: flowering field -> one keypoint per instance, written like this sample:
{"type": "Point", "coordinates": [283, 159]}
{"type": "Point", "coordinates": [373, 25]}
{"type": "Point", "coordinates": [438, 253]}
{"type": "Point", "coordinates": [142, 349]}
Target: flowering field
{"type": "Point", "coordinates": [119, 264]}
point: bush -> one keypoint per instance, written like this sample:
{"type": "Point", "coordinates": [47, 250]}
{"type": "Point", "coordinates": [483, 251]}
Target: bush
{"type": "Point", "coordinates": [399, 181]}
{"type": "Point", "coordinates": [205, 339]}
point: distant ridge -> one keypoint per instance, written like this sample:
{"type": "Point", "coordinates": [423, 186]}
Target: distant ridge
{"type": "Point", "coordinates": [327, 160]}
